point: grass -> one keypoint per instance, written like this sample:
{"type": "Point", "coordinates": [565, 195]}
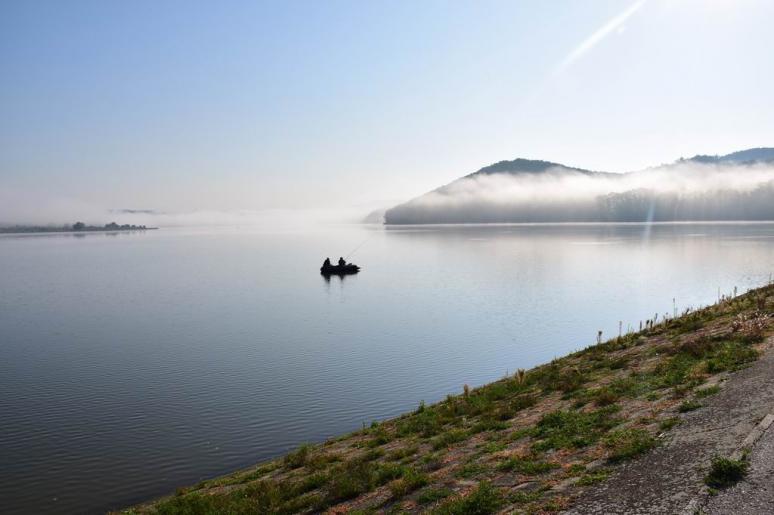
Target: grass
{"type": "Point", "coordinates": [687, 406]}
{"type": "Point", "coordinates": [493, 447]}
{"type": "Point", "coordinates": [592, 478]}
{"type": "Point", "coordinates": [573, 429]}
{"type": "Point", "coordinates": [431, 495]}
{"type": "Point", "coordinates": [525, 497]}
{"type": "Point", "coordinates": [625, 444]}
{"type": "Point", "coordinates": [668, 423]}
{"type": "Point", "coordinates": [299, 457]}
{"type": "Point", "coordinates": [412, 479]}
{"type": "Point", "coordinates": [706, 392]}
{"type": "Point", "coordinates": [725, 472]}
{"type": "Point", "coordinates": [483, 500]}
{"type": "Point", "coordinates": [380, 436]}
{"type": "Point", "coordinates": [544, 423]}
{"type": "Point", "coordinates": [259, 497]}
{"type": "Point", "coordinates": [470, 470]}
{"type": "Point", "coordinates": [528, 466]}
{"type": "Point", "coordinates": [449, 438]}
{"type": "Point", "coordinates": [402, 453]}
{"type": "Point", "coordinates": [357, 477]}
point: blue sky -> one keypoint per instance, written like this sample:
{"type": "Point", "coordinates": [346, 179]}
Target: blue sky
{"type": "Point", "coordinates": [188, 106]}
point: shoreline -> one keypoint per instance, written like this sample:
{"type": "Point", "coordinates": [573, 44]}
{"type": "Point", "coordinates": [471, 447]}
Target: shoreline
{"type": "Point", "coordinates": [70, 231]}
{"type": "Point", "coordinates": [532, 442]}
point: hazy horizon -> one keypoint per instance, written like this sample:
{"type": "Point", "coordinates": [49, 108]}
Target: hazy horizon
{"type": "Point", "coordinates": [194, 109]}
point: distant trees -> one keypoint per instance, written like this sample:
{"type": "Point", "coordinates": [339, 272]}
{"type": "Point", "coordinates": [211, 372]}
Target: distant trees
{"type": "Point", "coordinates": [76, 227]}
{"type": "Point", "coordinates": [112, 226]}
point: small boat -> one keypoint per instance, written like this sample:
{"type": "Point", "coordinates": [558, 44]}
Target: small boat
{"type": "Point", "coordinates": [346, 269]}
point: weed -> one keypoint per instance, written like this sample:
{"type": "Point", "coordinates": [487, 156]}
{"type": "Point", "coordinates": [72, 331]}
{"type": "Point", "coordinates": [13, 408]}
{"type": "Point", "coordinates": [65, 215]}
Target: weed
{"type": "Point", "coordinates": [687, 406]}
{"type": "Point", "coordinates": [404, 452]}
{"type": "Point", "coordinates": [668, 424]}
{"type": "Point", "coordinates": [427, 423]}
{"type": "Point", "coordinates": [373, 454]}
{"type": "Point", "coordinates": [299, 457]}
{"type": "Point", "coordinates": [525, 497]}
{"type": "Point", "coordinates": [726, 472]}
{"type": "Point", "coordinates": [522, 402]}
{"type": "Point", "coordinates": [448, 438]}
{"type": "Point", "coordinates": [605, 396]}
{"type": "Point", "coordinates": [554, 505]}
{"type": "Point", "coordinates": [433, 495]}
{"type": "Point", "coordinates": [673, 371]}
{"type": "Point", "coordinates": [592, 478]}
{"type": "Point", "coordinates": [625, 444]}
{"type": "Point", "coordinates": [380, 436]}
{"type": "Point", "coordinates": [356, 477]}
{"type": "Point", "coordinates": [731, 356]}
{"type": "Point", "coordinates": [571, 380]}
{"type": "Point", "coordinates": [568, 429]}
{"type": "Point", "coordinates": [488, 424]}
{"type": "Point", "coordinates": [260, 497]}
{"type": "Point", "coordinates": [470, 470]}
{"type": "Point", "coordinates": [706, 392]}
{"type": "Point", "coordinates": [493, 447]}
{"type": "Point", "coordinates": [483, 500]}
{"type": "Point", "coordinates": [527, 465]}
{"type": "Point", "coordinates": [431, 462]}
{"type": "Point", "coordinates": [412, 479]}
{"type": "Point", "coordinates": [751, 327]}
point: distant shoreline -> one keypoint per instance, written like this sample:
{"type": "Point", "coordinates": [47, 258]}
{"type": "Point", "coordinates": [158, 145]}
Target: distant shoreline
{"type": "Point", "coordinates": [37, 229]}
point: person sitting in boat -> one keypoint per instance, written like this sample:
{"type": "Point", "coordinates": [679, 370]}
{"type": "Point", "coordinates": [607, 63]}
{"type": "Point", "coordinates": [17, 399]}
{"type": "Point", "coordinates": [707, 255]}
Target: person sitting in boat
{"type": "Point", "coordinates": [342, 262]}
{"type": "Point", "coordinates": [327, 263]}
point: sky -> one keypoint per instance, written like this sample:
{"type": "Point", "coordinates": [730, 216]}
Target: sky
{"type": "Point", "coordinates": [187, 106]}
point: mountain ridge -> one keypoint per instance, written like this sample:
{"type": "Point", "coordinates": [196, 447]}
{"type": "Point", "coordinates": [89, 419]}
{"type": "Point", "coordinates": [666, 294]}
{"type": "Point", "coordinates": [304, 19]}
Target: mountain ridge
{"type": "Point", "coordinates": [520, 190]}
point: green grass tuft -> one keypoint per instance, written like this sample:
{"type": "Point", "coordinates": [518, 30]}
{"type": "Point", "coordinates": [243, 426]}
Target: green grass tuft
{"type": "Point", "coordinates": [706, 392]}
{"type": "Point", "coordinates": [412, 479]}
{"type": "Point", "coordinates": [449, 438]}
{"type": "Point", "coordinates": [529, 466]}
{"type": "Point", "coordinates": [299, 457]}
{"type": "Point", "coordinates": [592, 478]}
{"type": "Point", "coordinates": [687, 406]}
{"type": "Point", "coordinates": [485, 499]}
{"type": "Point", "coordinates": [669, 423]}
{"type": "Point", "coordinates": [431, 495]}
{"type": "Point", "coordinates": [726, 472]}
{"type": "Point", "coordinates": [625, 444]}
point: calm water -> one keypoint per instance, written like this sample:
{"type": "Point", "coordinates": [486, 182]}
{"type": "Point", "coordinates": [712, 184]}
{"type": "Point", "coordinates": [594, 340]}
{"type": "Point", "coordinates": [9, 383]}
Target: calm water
{"type": "Point", "coordinates": [131, 364]}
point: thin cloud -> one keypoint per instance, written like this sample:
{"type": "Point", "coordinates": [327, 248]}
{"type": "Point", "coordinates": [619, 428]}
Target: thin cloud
{"type": "Point", "coordinates": [598, 36]}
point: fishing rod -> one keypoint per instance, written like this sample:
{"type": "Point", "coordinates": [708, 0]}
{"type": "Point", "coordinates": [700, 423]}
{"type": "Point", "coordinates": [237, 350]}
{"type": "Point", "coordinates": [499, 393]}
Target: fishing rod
{"type": "Point", "coordinates": [360, 245]}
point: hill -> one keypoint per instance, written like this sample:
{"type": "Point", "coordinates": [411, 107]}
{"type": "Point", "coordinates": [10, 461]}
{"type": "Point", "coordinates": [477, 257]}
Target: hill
{"type": "Point", "coordinates": [736, 186]}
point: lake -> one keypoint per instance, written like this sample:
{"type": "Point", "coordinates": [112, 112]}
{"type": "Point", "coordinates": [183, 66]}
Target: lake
{"type": "Point", "coordinates": [134, 363]}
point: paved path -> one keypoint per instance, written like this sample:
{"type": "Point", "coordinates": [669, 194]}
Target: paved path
{"type": "Point", "coordinates": [754, 495]}
{"type": "Point", "coordinates": [667, 479]}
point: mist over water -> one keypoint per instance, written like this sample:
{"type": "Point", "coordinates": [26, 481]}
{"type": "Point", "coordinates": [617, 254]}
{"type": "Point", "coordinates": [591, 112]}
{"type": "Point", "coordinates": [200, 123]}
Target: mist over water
{"type": "Point", "coordinates": [687, 190]}
{"type": "Point", "coordinates": [26, 209]}
{"type": "Point", "coordinates": [132, 364]}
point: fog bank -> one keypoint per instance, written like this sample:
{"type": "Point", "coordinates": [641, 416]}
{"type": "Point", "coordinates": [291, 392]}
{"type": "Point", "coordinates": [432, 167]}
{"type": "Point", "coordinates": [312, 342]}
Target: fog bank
{"type": "Point", "coordinates": [686, 190]}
